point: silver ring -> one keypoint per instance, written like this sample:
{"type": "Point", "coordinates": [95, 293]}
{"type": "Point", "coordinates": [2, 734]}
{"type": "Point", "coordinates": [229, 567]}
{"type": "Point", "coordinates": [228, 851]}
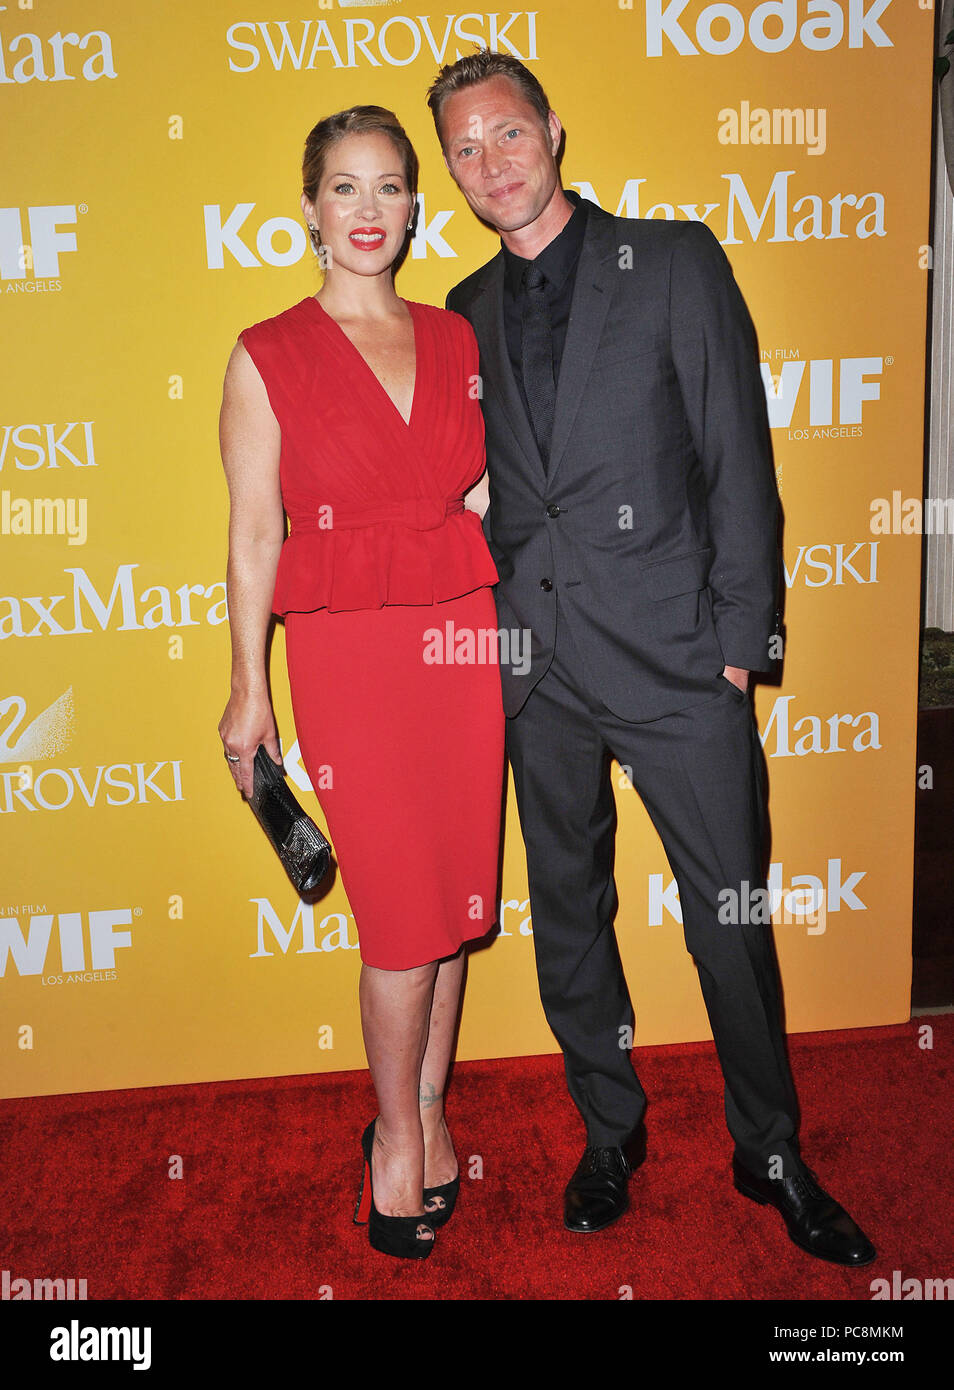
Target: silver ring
{"type": "Point", "coordinates": [232, 757]}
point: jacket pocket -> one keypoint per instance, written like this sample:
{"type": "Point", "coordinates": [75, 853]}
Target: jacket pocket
{"type": "Point", "coordinates": [624, 355]}
{"type": "Point", "coordinates": [681, 574]}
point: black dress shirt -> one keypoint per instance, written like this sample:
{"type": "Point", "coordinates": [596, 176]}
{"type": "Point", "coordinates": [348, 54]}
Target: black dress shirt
{"type": "Point", "coordinates": [558, 261]}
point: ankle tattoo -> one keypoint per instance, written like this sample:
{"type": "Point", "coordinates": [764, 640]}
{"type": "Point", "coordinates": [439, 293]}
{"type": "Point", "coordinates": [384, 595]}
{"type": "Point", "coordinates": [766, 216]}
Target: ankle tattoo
{"type": "Point", "coordinates": [429, 1096]}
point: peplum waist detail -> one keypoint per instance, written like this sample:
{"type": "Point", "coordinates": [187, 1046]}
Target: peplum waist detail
{"type": "Point", "coordinates": [418, 550]}
{"type": "Point", "coordinates": [420, 513]}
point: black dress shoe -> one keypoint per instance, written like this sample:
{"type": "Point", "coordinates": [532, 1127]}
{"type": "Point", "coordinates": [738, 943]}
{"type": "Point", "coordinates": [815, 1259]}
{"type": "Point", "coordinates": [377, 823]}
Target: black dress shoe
{"type": "Point", "coordinates": [597, 1194]}
{"type": "Point", "coordinates": [815, 1221]}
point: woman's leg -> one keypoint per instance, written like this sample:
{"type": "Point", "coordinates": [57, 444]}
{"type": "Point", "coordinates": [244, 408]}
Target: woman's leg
{"type": "Point", "coordinates": [395, 1010]}
{"type": "Point", "coordinates": [440, 1165]}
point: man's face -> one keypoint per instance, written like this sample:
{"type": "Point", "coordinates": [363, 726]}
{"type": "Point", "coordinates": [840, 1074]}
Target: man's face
{"type": "Point", "coordinates": [499, 153]}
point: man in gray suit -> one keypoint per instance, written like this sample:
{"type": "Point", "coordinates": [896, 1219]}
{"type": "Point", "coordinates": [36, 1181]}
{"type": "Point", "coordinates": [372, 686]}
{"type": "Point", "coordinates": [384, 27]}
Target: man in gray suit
{"type": "Point", "coordinates": [633, 522]}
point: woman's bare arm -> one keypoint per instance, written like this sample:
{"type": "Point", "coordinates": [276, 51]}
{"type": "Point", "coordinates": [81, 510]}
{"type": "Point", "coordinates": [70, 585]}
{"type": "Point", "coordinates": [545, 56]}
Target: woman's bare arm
{"type": "Point", "coordinates": [478, 498]}
{"type": "Point", "coordinates": [250, 442]}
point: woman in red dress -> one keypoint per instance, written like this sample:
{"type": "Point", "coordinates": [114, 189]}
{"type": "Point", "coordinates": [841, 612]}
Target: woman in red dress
{"type": "Point", "coordinates": [357, 413]}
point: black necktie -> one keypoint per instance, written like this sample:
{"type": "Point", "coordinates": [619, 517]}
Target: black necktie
{"type": "Point", "coordinates": [536, 348]}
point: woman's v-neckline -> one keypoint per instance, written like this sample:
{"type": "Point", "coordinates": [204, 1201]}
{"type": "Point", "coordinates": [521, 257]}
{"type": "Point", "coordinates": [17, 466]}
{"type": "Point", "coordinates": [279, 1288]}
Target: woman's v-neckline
{"type": "Point", "coordinates": [367, 366]}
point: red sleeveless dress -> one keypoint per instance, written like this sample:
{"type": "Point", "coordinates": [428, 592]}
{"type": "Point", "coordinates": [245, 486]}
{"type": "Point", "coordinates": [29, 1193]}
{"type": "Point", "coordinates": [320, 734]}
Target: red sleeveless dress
{"type": "Point", "coordinates": [385, 584]}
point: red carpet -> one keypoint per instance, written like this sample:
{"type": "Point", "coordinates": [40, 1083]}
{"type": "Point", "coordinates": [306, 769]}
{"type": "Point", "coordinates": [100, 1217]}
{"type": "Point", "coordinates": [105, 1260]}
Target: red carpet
{"type": "Point", "coordinates": [271, 1168]}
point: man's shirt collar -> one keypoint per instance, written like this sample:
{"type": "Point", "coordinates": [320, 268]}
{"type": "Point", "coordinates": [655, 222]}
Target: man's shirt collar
{"type": "Point", "coordinates": [559, 256]}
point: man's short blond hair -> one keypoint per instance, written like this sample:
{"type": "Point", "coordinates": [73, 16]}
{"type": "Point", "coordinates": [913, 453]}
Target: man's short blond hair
{"type": "Point", "coordinates": [481, 67]}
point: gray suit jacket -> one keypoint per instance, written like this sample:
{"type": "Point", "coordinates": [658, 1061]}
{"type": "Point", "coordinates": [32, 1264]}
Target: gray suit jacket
{"type": "Point", "coordinates": [656, 520]}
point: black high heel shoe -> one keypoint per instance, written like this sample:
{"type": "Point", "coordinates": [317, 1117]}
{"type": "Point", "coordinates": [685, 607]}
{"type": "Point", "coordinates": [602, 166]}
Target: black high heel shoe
{"type": "Point", "coordinates": [392, 1235]}
{"type": "Point", "coordinates": [448, 1195]}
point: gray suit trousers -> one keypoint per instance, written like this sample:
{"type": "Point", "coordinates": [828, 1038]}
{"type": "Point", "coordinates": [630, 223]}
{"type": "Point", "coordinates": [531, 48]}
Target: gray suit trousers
{"type": "Point", "coordinates": [699, 773]}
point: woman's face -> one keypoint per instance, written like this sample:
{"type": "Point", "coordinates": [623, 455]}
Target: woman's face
{"type": "Point", "coordinates": [362, 204]}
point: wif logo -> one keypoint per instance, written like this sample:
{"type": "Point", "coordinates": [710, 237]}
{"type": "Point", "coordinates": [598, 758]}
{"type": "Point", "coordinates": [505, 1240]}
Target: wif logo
{"type": "Point", "coordinates": [771, 27]}
{"type": "Point", "coordinates": [29, 949]}
{"type": "Point", "coordinates": [783, 389]}
{"type": "Point", "coordinates": [41, 250]}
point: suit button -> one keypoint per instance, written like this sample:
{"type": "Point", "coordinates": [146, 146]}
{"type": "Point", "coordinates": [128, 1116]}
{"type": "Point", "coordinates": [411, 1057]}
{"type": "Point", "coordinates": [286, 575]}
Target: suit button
{"type": "Point", "coordinates": [553, 510]}
{"type": "Point", "coordinates": [546, 584]}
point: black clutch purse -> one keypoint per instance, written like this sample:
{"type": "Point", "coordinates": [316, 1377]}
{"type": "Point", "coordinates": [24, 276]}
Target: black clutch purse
{"type": "Point", "coordinates": [302, 848]}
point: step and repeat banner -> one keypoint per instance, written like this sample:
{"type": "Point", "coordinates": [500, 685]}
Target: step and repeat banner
{"type": "Point", "coordinates": [151, 178]}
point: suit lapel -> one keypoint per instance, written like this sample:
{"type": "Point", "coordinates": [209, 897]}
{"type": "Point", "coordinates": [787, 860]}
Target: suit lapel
{"type": "Point", "coordinates": [488, 323]}
{"type": "Point", "coordinates": [592, 291]}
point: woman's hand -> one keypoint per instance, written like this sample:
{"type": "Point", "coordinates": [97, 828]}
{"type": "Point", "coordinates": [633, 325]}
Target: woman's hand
{"type": "Point", "coordinates": [248, 721]}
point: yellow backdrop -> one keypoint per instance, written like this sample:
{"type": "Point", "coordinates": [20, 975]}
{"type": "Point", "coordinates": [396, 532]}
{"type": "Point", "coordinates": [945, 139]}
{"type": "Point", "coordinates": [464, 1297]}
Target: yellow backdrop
{"type": "Point", "coordinates": [152, 174]}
